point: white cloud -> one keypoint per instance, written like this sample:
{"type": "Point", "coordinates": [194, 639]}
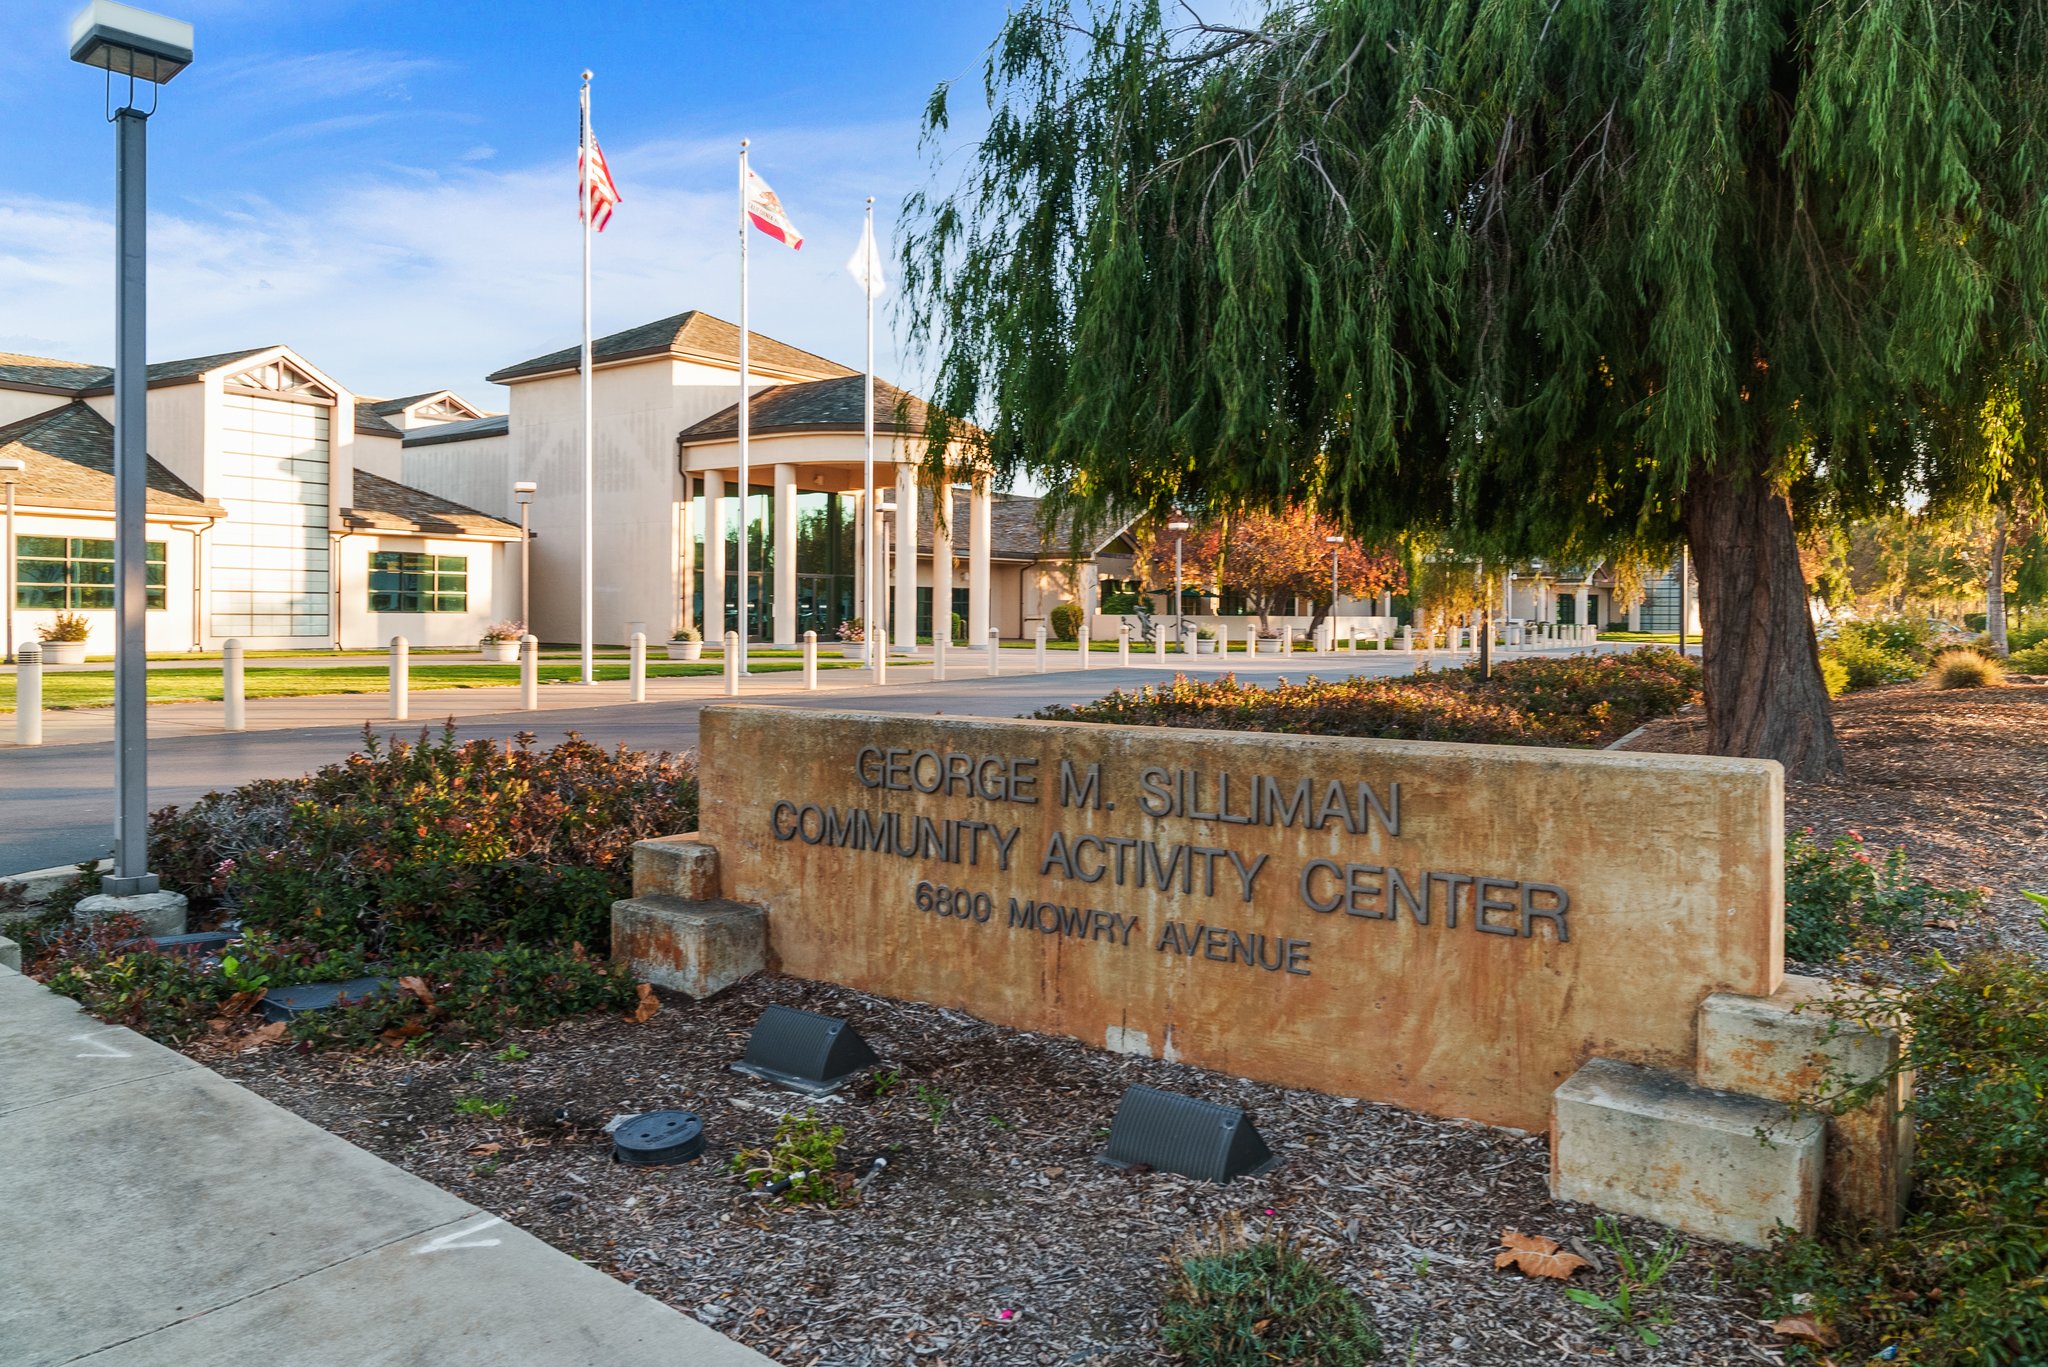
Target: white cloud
{"type": "Point", "coordinates": [415, 280]}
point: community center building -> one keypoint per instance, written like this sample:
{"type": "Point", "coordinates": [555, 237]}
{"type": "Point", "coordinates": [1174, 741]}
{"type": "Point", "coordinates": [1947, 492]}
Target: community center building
{"type": "Point", "coordinates": [286, 511]}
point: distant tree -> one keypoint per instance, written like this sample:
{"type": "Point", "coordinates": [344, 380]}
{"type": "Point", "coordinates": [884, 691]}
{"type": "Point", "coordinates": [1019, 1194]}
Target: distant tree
{"type": "Point", "coordinates": [1557, 280]}
{"type": "Point", "coordinates": [1274, 559]}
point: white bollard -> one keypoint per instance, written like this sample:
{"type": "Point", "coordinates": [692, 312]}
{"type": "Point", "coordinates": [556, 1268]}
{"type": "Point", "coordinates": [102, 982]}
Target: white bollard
{"type": "Point", "coordinates": [400, 666]}
{"type": "Point", "coordinates": [1408, 638]}
{"type": "Point", "coordinates": [1159, 642]}
{"type": "Point", "coordinates": [1041, 648]}
{"type": "Point", "coordinates": [1081, 644]}
{"type": "Point", "coordinates": [636, 667]}
{"type": "Point", "coordinates": [235, 711]}
{"type": "Point", "coordinates": [810, 662]}
{"type": "Point", "coordinates": [1287, 643]}
{"type": "Point", "coordinates": [878, 641]}
{"type": "Point", "coordinates": [529, 673]}
{"type": "Point", "coordinates": [28, 695]}
{"type": "Point", "coordinates": [1123, 645]}
{"type": "Point", "coordinates": [732, 664]}
{"type": "Point", "coordinates": [939, 643]}
{"type": "Point", "coordinates": [995, 652]}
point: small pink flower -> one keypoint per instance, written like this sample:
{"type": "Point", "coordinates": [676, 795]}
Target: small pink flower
{"type": "Point", "coordinates": [1855, 835]}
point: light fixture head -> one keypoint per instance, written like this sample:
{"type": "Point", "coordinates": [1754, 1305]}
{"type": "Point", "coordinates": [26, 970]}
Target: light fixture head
{"type": "Point", "coordinates": [11, 466]}
{"type": "Point", "coordinates": [131, 42]}
{"type": "Point", "coordinates": [524, 489]}
{"type": "Point", "coordinates": [1334, 540]}
{"type": "Point", "coordinates": [1176, 526]}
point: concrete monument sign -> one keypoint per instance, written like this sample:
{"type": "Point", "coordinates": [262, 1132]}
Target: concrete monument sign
{"type": "Point", "coordinates": [1450, 928]}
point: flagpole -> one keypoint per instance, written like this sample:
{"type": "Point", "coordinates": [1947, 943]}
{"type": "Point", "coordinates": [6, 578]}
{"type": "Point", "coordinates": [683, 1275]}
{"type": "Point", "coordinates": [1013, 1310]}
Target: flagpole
{"type": "Point", "coordinates": [589, 482]}
{"type": "Point", "coordinates": [868, 448]}
{"type": "Point", "coordinates": [745, 487]}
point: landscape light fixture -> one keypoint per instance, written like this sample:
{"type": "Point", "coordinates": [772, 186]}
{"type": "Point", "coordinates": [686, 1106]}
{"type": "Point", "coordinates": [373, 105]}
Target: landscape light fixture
{"type": "Point", "coordinates": [1183, 1134]}
{"type": "Point", "coordinates": [145, 47]}
{"type": "Point", "coordinates": [10, 469]}
{"type": "Point", "coordinates": [805, 1051]}
{"type": "Point", "coordinates": [524, 490]}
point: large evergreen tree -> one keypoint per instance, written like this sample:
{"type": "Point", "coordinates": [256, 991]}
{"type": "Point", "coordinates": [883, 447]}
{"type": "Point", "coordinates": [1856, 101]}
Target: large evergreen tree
{"type": "Point", "coordinates": [1570, 278]}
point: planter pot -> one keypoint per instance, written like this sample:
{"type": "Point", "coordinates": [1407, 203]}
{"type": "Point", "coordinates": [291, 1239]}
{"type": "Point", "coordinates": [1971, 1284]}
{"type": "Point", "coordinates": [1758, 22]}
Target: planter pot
{"type": "Point", "coordinates": [1269, 645]}
{"type": "Point", "coordinates": [856, 651]}
{"type": "Point", "coordinates": [1203, 647]}
{"type": "Point", "coordinates": [63, 652]}
{"type": "Point", "coordinates": [686, 650]}
{"type": "Point", "coordinates": [499, 652]}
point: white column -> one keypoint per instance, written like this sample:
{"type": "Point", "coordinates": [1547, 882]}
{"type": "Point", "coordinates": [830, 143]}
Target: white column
{"type": "Point", "coordinates": [905, 630]}
{"type": "Point", "coordinates": [1635, 616]}
{"type": "Point", "coordinates": [1579, 607]}
{"type": "Point", "coordinates": [1386, 605]}
{"type": "Point", "coordinates": [714, 557]}
{"type": "Point", "coordinates": [980, 505]}
{"type": "Point", "coordinates": [686, 569]}
{"type": "Point", "coordinates": [860, 502]}
{"type": "Point", "coordinates": [942, 564]}
{"type": "Point", "coordinates": [785, 555]}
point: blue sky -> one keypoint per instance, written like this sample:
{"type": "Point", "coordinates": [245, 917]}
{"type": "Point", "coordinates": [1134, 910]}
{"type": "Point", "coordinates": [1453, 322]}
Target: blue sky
{"type": "Point", "coordinates": [390, 187]}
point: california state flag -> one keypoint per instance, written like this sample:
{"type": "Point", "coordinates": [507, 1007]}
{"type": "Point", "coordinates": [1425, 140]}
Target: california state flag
{"type": "Point", "coordinates": [766, 211]}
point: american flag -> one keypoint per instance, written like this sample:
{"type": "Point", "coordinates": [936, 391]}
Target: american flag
{"type": "Point", "coordinates": [603, 193]}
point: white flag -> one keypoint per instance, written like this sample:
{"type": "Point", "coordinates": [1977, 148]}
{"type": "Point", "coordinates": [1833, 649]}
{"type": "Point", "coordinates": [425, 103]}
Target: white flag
{"type": "Point", "coordinates": [865, 265]}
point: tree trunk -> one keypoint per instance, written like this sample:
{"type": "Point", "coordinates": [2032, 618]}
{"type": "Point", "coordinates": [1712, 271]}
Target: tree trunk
{"type": "Point", "coordinates": [1994, 585]}
{"type": "Point", "coordinates": [1765, 695]}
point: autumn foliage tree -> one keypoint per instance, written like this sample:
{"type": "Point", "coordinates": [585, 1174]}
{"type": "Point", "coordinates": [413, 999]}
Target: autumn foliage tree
{"type": "Point", "coordinates": [1274, 559]}
{"type": "Point", "coordinates": [1567, 280]}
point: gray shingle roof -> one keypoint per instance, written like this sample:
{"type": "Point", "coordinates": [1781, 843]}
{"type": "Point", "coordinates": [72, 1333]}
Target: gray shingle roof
{"type": "Point", "coordinates": [1015, 528]}
{"type": "Point", "coordinates": [695, 334]}
{"type": "Point", "coordinates": [496, 425]}
{"type": "Point", "coordinates": [69, 452]}
{"type": "Point", "coordinates": [380, 504]}
{"type": "Point", "coordinates": [373, 424]}
{"type": "Point", "coordinates": [835, 405]}
{"type": "Point", "coordinates": [77, 377]}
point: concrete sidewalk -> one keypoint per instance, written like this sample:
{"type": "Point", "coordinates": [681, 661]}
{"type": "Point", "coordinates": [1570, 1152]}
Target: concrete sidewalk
{"type": "Point", "coordinates": [153, 1213]}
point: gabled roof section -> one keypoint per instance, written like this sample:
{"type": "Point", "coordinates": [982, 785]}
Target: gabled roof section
{"type": "Point", "coordinates": [18, 371]}
{"type": "Point", "coordinates": [692, 336]}
{"type": "Point", "coordinates": [69, 452]}
{"type": "Point", "coordinates": [373, 416]}
{"type": "Point", "coordinates": [496, 425]}
{"type": "Point", "coordinates": [385, 505]}
{"type": "Point", "coordinates": [1016, 530]}
{"type": "Point", "coordinates": [836, 405]}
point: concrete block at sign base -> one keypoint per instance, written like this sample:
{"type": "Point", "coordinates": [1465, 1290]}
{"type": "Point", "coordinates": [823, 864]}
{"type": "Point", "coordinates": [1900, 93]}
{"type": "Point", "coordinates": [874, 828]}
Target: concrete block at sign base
{"type": "Point", "coordinates": [697, 948]}
{"type": "Point", "coordinates": [1787, 1047]}
{"type": "Point", "coordinates": [675, 866]}
{"type": "Point", "coordinates": [10, 954]}
{"type": "Point", "coordinates": [161, 913]}
{"type": "Point", "coordinates": [1644, 1141]}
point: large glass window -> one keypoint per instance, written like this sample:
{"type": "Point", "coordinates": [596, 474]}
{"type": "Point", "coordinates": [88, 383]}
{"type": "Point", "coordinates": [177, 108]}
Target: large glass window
{"type": "Point", "coordinates": [269, 574]}
{"type": "Point", "coordinates": [824, 562]}
{"type": "Point", "coordinates": [409, 581]}
{"type": "Point", "coordinates": [77, 572]}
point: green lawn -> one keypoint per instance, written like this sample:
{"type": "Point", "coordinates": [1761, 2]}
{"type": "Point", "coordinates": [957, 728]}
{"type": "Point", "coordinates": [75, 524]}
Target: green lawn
{"type": "Point", "coordinates": [1663, 638]}
{"type": "Point", "coordinates": [63, 691]}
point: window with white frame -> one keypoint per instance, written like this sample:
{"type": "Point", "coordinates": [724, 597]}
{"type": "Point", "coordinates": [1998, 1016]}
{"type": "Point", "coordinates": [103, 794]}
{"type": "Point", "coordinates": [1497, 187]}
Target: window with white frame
{"type": "Point", "coordinates": [412, 581]}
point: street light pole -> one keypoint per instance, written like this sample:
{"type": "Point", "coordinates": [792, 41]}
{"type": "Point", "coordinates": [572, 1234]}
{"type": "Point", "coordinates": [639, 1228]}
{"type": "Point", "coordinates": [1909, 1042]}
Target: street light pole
{"type": "Point", "coordinates": [10, 468]}
{"type": "Point", "coordinates": [523, 490]}
{"type": "Point", "coordinates": [151, 49]}
{"type": "Point", "coordinates": [1179, 529]}
{"type": "Point", "coordinates": [1336, 544]}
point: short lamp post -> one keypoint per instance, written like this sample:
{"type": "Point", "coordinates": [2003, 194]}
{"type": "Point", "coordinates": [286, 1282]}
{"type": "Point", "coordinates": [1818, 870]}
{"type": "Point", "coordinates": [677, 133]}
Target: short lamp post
{"type": "Point", "coordinates": [10, 470]}
{"type": "Point", "coordinates": [524, 490]}
{"type": "Point", "coordinates": [1336, 544]}
{"type": "Point", "coordinates": [1179, 528]}
{"type": "Point", "coordinates": [150, 49]}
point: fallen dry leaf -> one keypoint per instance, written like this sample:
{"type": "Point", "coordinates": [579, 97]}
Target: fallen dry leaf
{"type": "Point", "coordinates": [644, 1010]}
{"type": "Point", "coordinates": [417, 987]}
{"type": "Point", "coordinates": [1805, 1329]}
{"type": "Point", "coordinates": [403, 1031]}
{"type": "Point", "coordinates": [1537, 1256]}
{"type": "Point", "coordinates": [485, 1150]}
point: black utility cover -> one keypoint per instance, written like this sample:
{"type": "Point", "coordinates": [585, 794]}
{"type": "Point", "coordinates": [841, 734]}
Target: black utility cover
{"type": "Point", "coordinates": [659, 1137]}
{"type": "Point", "coordinates": [1182, 1134]}
{"type": "Point", "coordinates": [289, 1003]}
{"type": "Point", "coordinates": [804, 1051]}
{"type": "Point", "coordinates": [194, 943]}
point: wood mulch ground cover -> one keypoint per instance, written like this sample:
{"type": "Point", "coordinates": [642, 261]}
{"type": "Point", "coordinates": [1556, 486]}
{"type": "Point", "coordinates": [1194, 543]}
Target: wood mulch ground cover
{"type": "Point", "coordinates": [1959, 777]}
{"type": "Point", "coordinates": [993, 1237]}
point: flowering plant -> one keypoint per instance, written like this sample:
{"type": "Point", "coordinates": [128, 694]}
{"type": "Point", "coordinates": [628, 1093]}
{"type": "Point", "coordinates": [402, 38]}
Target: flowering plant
{"type": "Point", "coordinates": [505, 631]}
{"type": "Point", "coordinates": [853, 629]}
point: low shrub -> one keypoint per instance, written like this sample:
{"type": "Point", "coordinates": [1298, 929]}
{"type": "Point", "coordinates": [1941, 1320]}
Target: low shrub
{"type": "Point", "coordinates": [1834, 674]}
{"type": "Point", "coordinates": [1065, 619]}
{"type": "Point", "coordinates": [2025, 638]}
{"type": "Point", "coordinates": [2029, 660]}
{"type": "Point", "coordinates": [1965, 669]}
{"type": "Point", "coordinates": [1910, 637]}
{"type": "Point", "coordinates": [804, 1153]}
{"type": "Point", "coordinates": [1233, 1303]}
{"type": "Point", "coordinates": [437, 844]}
{"type": "Point", "coordinates": [1867, 665]}
{"type": "Point", "coordinates": [1575, 700]}
{"type": "Point", "coordinates": [1964, 1280]}
{"type": "Point", "coordinates": [1839, 894]}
